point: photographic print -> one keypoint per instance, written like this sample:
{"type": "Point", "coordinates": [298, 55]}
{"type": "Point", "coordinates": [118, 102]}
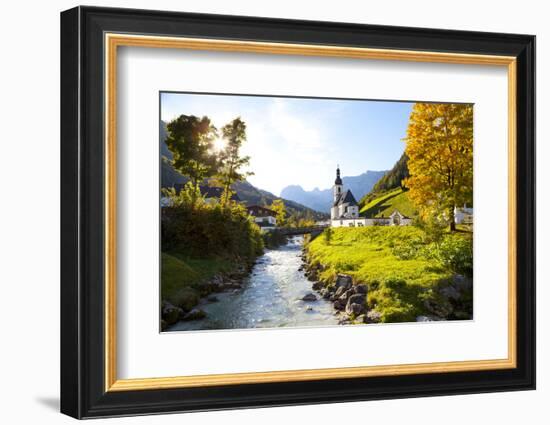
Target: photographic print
{"type": "Point", "coordinates": [280, 212]}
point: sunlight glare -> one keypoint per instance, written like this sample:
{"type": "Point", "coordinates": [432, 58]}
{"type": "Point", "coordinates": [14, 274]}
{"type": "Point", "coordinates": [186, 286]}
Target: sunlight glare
{"type": "Point", "coordinates": [219, 144]}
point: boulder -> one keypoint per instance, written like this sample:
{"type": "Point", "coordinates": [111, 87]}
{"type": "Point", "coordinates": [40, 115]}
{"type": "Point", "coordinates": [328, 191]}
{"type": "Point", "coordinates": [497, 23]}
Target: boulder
{"type": "Point", "coordinates": [186, 298]}
{"type": "Point", "coordinates": [339, 292]}
{"type": "Point", "coordinates": [339, 305]}
{"type": "Point", "coordinates": [462, 283]}
{"type": "Point", "coordinates": [357, 299]}
{"type": "Point", "coordinates": [317, 285]}
{"type": "Point", "coordinates": [212, 299]}
{"type": "Point", "coordinates": [347, 294]}
{"type": "Point", "coordinates": [354, 308]}
{"type": "Point", "coordinates": [373, 316]}
{"type": "Point", "coordinates": [450, 292]}
{"type": "Point", "coordinates": [439, 307]}
{"type": "Point", "coordinates": [361, 319]}
{"type": "Point", "coordinates": [309, 297]}
{"type": "Point", "coordinates": [195, 314]}
{"type": "Point", "coordinates": [361, 289]}
{"type": "Point", "coordinates": [170, 313]}
{"type": "Point", "coordinates": [343, 280]}
{"type": "Point", "coordinates": [345, 321]}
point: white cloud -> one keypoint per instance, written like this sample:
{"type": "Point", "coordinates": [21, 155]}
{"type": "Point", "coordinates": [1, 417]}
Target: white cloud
{"type": "Point", "coordinates": [287, 148]}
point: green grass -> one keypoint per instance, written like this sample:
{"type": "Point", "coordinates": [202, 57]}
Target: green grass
{"type": "Point", "coordinates": [181, 277]}
{"type": "Point", "coordinates": [397, 286]}
{"type": "Point", "coordinates": [387, 203]}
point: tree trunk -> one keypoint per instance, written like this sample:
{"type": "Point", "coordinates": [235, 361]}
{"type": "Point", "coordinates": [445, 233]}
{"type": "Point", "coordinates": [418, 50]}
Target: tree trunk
{"type": "Point", "coordinates": [452, 218]}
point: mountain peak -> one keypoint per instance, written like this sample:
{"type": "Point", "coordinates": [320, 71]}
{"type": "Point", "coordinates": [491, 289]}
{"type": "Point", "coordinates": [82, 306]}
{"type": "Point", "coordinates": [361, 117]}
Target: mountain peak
{"type": "Point", "coordinates": [321, 199]}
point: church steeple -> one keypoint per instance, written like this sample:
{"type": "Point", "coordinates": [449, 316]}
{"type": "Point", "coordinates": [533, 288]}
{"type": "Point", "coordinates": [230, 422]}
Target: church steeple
{"type": "Point", "coordinates": [338, 179]}
{"type": "Point", "coordinates": [338, 186]}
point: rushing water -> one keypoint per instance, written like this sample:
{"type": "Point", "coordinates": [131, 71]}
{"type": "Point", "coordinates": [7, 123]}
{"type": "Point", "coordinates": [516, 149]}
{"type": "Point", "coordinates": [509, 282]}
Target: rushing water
{"type": "Point", "coordinates": [271, 297]}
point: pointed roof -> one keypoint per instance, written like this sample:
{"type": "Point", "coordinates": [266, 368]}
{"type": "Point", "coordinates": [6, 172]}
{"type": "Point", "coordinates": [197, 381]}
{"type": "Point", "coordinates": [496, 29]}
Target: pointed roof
{"type": "Point", "coordinates": [345, 198]}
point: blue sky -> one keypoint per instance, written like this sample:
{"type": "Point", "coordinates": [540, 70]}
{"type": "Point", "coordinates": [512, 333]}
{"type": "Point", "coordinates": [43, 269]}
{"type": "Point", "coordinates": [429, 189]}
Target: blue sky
{"type": "Point", "coordinates": [300, 141]}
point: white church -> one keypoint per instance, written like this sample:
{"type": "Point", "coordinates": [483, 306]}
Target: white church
{"type": "Point", "coordinates": [345, 210]}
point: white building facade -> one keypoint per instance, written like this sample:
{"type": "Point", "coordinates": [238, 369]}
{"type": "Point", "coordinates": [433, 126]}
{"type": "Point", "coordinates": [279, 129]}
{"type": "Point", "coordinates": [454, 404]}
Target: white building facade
{"type": "Point", "coordinates": [263, 217]}
{"type": "Point", "coordinates": [464, 215]}
{"type": "Point", "coordinates": [345, 210]}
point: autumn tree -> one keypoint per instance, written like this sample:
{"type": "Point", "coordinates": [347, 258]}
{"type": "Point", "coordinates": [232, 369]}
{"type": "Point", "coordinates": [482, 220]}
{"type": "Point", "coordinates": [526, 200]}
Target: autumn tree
{"type": "Point", "coordinates": [231, 162]}
{"type": "Point", "coordinates": [190, 140]}
{"type": "Point", "coordinates": [280, 210]}
{"type": "Point", "coordinates": [440, 150]}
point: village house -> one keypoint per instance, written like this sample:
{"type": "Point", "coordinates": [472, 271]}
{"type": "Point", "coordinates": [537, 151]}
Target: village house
{"type": "Point", "coordinates": [345, 210]}
{"type": "Point", "coordinates": [263, 217]}
{"type": "Point", "coordinates": [464, 215]}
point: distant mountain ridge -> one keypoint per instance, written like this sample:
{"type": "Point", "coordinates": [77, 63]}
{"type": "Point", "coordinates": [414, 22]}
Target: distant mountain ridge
{"type": "Point", "coordinates": [246, 192]}
{"type": "Point", "coordinates": [321, 200]}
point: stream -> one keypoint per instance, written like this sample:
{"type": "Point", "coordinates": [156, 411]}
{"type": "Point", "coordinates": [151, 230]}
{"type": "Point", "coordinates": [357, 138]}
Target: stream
{"type": "Point", "coordinates": [271, 297]}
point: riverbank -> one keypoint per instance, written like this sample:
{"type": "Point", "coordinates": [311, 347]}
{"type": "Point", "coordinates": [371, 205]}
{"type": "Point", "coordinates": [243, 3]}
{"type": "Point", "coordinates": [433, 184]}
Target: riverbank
{"type": "Point", "coordinates": [401, 274]}
{"type": "Point", "coordinates": [274, 294]}
{"type": "Point", "coordinates": [186, 281]}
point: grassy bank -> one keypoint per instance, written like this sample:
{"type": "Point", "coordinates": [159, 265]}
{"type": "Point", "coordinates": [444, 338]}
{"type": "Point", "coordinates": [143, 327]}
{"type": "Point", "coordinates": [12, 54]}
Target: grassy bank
{"type": "Point", "coordinates": [383, 204]}
{"type": "Point", "coordinates": [201, 242]}
{"type": "Point", "coordinates": [182, 279]}
{"type": "Point", "coordinates": [401, 267]}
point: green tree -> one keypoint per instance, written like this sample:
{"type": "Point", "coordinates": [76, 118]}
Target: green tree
{"type": "Point", "coordinates": [231, 162]}
{"type": "Point", "coordinates": [279, 207]}
{"type": "Point", "coordinates": [190, 139]}
{"type": "Point", "coordinates": [440, 150]}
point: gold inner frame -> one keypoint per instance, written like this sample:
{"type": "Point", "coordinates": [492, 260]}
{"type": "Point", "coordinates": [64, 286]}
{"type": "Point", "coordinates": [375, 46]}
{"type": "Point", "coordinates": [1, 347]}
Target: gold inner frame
{"type": "Point", "coordinates": [113, 41]}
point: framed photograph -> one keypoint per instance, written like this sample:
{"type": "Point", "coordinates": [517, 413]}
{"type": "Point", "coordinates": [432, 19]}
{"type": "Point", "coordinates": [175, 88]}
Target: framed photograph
{"type": "Point", "coordinates": [261, 212]}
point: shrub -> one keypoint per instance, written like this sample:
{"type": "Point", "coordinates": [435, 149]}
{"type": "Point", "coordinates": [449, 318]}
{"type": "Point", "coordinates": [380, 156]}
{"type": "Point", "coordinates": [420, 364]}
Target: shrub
{"type": "Point", "coordinates": [211, 230]}
{"type": "Point", "coordinates": [456, 254]}
{"type": "Point", "coordinates": [407, 249]}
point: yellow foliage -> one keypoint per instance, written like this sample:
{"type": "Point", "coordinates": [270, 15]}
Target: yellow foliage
{"type": "Point", "coordinates": [440, 150]}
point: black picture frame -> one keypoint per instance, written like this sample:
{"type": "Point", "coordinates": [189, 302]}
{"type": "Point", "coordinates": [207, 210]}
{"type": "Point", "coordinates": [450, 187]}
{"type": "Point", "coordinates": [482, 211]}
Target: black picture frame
{"type": "Point", "coordinates": [83, 392]}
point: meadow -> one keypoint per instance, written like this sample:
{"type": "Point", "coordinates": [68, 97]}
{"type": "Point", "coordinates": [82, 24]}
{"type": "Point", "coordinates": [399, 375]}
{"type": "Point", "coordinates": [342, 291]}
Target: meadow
{"type": "Point", "coordinates": [403, 266]}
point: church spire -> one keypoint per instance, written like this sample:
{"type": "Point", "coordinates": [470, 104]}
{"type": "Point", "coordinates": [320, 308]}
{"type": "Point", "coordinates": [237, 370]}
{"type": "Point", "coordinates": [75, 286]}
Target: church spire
{"type": "Point", "coordinates": [338, 179]}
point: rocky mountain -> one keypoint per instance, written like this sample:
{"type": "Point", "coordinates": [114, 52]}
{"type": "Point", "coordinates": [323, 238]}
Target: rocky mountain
{"type": "Point", "coordinates": [321, 200]}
